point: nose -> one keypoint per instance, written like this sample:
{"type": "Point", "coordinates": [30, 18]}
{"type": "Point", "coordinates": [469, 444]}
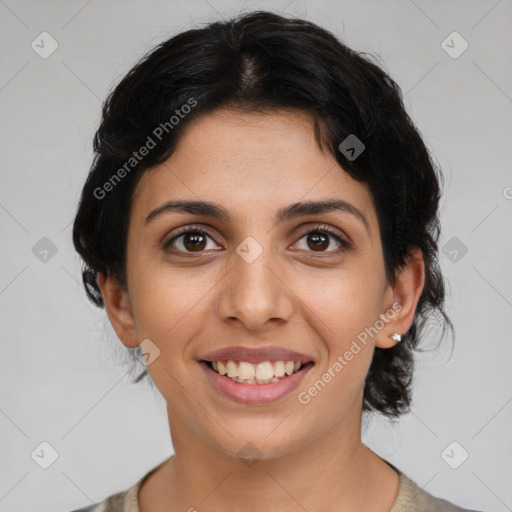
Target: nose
{"type": "Point", "coordinates": [255, 293]}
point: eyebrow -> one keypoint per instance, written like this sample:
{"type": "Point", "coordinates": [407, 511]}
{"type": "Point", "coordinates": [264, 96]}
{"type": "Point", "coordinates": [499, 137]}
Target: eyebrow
{"type": "Point", "coordinates": [217, 211]}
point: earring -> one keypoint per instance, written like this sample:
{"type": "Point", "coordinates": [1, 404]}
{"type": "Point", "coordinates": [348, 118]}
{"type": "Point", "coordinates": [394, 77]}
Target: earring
{"type": "Point", "coordinates": [396, 338]}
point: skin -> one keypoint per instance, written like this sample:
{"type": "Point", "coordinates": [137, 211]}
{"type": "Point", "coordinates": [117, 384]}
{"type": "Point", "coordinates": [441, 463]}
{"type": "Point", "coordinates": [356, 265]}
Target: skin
{"type": "Point", "coordinates": [294, 295]}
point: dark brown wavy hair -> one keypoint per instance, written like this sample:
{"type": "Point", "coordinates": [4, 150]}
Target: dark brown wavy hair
{"type": "Point", "coordinates": [262, 61]}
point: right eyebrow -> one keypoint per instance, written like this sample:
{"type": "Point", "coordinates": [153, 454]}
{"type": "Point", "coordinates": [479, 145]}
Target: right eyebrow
{"type": "Point", "coordinates": [205, 208]}
{"type": "Point", "coordinates": [210, 209]}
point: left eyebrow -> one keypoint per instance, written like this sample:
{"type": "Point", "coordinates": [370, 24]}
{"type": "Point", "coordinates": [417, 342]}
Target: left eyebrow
{"type": "Point", "coordinates": [217, 211]}
{"type": "Point", "coordinates": [317, 207]}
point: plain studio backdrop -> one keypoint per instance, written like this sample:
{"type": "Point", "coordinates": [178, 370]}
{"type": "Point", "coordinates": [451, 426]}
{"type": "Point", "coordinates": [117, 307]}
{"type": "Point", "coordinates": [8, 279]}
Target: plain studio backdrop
{"type": "Point", "coordinates": [66, 401]}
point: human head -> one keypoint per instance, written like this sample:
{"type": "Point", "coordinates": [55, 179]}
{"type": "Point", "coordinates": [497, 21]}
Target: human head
{"type": "Point", "coordinates": [263, 62]}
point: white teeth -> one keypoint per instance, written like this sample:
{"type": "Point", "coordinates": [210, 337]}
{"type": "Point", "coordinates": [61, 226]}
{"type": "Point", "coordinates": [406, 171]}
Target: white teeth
{"type": "Point", "coordinates": [264, 371]}
{"type": "Point", "coordinates": [232, 369]}
{"type": "Point", "coordinates": [261, 373]}
{"type": "Point", "coordinates": [221, 368]}
{"type": "Point", "coordinates": [246, 371]}
{"type": "Point", "coordinates": [279, 369]}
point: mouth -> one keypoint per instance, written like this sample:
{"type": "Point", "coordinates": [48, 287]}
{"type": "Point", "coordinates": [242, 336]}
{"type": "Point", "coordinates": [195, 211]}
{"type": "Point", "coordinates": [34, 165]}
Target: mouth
{"type": "Point", "coordinates": [255, 375]}
{"type": "Point", "coordinates": [265, 372]}
{"type": "Point", "coordinates": [256, 390]}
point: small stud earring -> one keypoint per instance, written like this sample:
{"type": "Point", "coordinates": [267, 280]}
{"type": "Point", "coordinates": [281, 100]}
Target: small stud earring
{"type": "Point", "coordinates": [396, 337]}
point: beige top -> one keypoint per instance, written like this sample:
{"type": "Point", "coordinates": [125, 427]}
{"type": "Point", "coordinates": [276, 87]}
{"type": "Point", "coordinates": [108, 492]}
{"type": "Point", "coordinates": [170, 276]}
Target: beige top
{"type": "Point", "coordinates": [410, 498]}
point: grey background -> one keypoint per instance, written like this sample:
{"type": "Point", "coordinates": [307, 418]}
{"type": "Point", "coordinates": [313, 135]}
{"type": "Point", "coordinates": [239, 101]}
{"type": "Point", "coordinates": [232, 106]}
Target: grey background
{"type": "Point", "coordinates": [62, 378]}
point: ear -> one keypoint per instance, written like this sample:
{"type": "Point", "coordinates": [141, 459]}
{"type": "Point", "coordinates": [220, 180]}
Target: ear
{"type": "Point", "coordinates": [119, 309]}
{"type": "Point", "coordinates": [402, 299]}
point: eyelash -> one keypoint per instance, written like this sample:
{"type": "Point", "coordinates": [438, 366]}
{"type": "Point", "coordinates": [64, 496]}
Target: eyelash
{"type": "Point", "coordinates": [320, 228]}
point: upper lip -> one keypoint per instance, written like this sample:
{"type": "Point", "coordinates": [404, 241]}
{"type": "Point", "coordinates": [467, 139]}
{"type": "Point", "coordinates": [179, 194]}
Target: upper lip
{"type": "Point", "coordinates": [256, 355]}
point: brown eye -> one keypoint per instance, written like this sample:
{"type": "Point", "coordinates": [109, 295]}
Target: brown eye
{"type": "Point", "coordinates": [194, 241]}
{"type": "Point", "coordinates": [189, 241]}
{"type": "Point", "coordinates": [319, 239]}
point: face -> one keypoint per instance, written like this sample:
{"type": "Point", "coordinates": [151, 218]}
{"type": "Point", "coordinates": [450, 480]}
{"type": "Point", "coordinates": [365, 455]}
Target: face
{"type": "Point", "coordinates": [253, 278]}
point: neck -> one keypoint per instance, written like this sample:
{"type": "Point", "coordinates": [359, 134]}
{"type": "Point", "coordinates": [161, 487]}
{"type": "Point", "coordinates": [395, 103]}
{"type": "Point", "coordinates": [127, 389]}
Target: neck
{"type": "Point", "coordinates": [334, 471]}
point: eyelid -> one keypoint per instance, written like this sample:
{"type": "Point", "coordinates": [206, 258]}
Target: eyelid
{"type": "Point", "coordinates": [196, 228]}
{"type": "Point", "coordinates": [343, 239]}
{"type": "Point", "coordinates": [327, 228]}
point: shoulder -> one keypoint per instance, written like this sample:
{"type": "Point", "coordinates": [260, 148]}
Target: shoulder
{"type": "Point", "coordinates": [126, 501]}
{"type": "Point", "coordinates": [116, 503]}
{"type": "Point", "coordinates": [412, 498]}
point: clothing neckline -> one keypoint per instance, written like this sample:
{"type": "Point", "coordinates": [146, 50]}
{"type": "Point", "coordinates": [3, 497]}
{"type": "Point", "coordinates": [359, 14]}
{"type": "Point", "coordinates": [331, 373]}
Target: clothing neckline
{"type": "Point", "coordinates": [406, 489]}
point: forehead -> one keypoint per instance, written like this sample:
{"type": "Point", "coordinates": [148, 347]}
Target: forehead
{"type": "Point", "coordinates": [250, 161]}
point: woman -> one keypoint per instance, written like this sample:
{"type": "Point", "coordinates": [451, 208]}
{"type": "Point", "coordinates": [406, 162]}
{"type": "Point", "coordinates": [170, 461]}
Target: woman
{"type": "Point", "coordinates": [260, 223]}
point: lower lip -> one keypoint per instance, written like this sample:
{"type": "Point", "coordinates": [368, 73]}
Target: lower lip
{"type": "Point", "coordinates": [255, 393]}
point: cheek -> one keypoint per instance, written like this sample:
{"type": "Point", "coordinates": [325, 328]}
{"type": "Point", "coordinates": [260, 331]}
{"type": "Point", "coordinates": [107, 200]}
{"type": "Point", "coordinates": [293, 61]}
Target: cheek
{"type": "Point", "coordinates": [344, 303]}
{"type": "Point", "coordinates": [169, 305]}
{"type": "Point", "coordinates": [340, 310]}
{"type": "Point", "coordinates": [168, 313]}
